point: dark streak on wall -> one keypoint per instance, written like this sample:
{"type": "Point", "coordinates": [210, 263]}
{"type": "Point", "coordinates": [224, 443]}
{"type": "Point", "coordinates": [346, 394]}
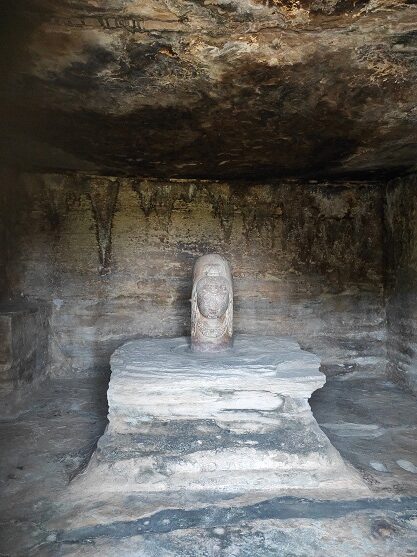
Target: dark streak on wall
{"type": "Point", "coordinates": [103, 195]}
{"type": "Point", "coordinates": [401, 227]}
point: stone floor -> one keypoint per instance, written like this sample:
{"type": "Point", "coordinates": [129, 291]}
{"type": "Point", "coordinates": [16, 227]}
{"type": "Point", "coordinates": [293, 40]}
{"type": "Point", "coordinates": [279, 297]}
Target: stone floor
{"type": "Point", "coordinates": [372, 422]}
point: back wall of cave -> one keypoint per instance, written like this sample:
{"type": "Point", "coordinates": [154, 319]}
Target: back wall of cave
{"type": "Point", "coordinates": [108, 259]}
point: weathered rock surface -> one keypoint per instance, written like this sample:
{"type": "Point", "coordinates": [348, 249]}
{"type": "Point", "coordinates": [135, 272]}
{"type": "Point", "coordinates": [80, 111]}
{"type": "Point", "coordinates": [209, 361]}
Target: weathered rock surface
{"type": "Point", "coordinates": [235, 422]}
{"type": "Point", "coordinates": [401, 218]}
{"type": "Point", "coordinates": [23, 346]}
{"type": "Point", "coordinates": [307, 261]}
{"type": "Point", "coordinates": [221, 88]}
{"type": "Point", "coordinates": [55, 436]}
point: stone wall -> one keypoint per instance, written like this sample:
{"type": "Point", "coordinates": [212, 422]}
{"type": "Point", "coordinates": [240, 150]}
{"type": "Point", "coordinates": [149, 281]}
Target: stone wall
{"type": "Point", "coordinates": [112, 258]}
{"type": "Point", "coordinates": [23, 344]}
{"type": "Point", "coordinates": [401, 242]}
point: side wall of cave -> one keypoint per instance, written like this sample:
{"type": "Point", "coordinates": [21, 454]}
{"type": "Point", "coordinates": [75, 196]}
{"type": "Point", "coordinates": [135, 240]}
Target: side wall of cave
{"type": "Point", "coordinates": [401, 227]}
{"type": "Point", "coordinates": [110, 259]}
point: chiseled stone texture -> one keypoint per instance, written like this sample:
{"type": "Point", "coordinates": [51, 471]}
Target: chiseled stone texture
{"type": "Point", "coordinates": [113, 260]}
{"type": "Point", "coordinates": [236, 421]}
{"type": "Point", "coordinates": [401, 245]}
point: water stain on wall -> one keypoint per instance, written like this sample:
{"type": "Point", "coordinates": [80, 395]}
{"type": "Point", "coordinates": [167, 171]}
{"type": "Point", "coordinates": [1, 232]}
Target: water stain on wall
{"type": "Point", "coordinates": [103, 195]}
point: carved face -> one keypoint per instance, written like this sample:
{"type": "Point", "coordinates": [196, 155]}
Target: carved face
{"type": "Point", "coordinates": [211, 304]}
{"type": "Point", "coordinates": [212, 296]}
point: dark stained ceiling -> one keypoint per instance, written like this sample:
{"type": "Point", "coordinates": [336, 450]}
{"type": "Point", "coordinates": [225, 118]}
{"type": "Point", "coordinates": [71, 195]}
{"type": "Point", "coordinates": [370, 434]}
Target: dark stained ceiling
{"type": "Point", "coordinates": [211, 88]}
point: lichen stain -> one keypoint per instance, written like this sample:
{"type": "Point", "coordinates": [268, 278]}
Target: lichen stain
{"type": "Point", "coordinates": [103, 196]}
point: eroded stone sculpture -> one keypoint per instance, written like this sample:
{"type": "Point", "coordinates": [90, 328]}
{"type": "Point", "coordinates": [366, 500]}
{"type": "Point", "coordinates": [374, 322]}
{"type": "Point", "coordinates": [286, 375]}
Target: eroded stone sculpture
{"type": "Point", "coordinates": [211, 304]}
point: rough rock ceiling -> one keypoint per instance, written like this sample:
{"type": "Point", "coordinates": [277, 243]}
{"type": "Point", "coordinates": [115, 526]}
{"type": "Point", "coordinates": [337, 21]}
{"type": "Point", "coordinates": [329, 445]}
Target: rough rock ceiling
{"type": "Point", "coordinates": [212, 88]}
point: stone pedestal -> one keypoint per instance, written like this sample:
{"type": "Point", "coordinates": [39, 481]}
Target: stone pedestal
{"type": "Point", "coordinates": [233, 422]}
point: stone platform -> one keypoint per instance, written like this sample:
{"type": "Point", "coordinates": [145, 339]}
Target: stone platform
{"type": "Point", "coordinates": [236, 422]}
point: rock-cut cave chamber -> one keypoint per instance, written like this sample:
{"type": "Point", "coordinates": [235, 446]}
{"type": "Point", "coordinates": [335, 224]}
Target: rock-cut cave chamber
{"type": "Point", "coordinates": [140, 135]}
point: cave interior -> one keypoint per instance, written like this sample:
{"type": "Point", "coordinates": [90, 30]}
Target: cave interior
{"type": "Point", "coordinates": [138, 135]}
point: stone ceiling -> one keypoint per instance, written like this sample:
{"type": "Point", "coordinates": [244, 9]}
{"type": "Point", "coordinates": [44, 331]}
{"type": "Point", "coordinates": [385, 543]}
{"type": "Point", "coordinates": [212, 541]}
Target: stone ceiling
{"type": "Point", "coordinates": [211, 88]}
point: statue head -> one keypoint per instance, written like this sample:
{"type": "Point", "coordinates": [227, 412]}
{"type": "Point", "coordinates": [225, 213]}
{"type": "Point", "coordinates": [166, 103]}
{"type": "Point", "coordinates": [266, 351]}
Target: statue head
{"type": "Point", "coordinates": [211, 304]}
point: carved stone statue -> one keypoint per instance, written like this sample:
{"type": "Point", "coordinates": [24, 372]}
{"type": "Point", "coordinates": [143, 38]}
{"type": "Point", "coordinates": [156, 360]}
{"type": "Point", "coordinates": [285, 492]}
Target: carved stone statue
{"type": "Point", "coordinates": [211, 304]}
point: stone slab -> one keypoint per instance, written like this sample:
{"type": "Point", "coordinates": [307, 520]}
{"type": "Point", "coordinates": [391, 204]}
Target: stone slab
{"type": "Point", "coordinates": [233, 422]}
{"type": "Point", "coordinates": [163, 379]}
